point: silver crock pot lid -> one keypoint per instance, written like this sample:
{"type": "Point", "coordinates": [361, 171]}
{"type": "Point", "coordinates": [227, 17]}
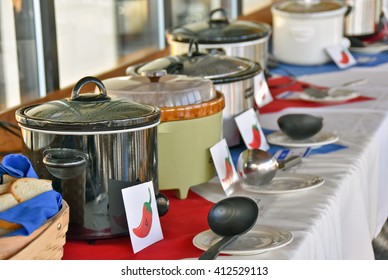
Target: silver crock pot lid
{"type": "Point", "coordinates": [158, 88]}
{"type": "Point", "coordinates": [219, 68]}
{"type": "Point", "coordinates": [219, 31]}
{"type": "Point", "coordinates": [88, 113]}
{"type": "Point", "coordinates": [309, 7]}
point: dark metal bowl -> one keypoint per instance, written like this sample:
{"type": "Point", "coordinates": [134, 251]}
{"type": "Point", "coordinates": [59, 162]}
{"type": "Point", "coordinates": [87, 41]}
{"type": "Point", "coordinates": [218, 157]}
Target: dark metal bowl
{"type": "Point", "coordinates": [300, 126]}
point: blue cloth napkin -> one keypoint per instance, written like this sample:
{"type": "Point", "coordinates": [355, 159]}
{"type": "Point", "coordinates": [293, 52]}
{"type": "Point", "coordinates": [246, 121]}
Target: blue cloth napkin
{"type": "Point", "coordinates": [32, 213]}
{"type": "Point", "coordinates": [18, 166]}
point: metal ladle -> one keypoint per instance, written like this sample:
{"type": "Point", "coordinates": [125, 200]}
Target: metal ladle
{"type": "Point", "coordinates": [258, 167]}
{"type": "Point", "coordinates": [338, 90]}
{"type": "Point", "coordinates": [230, 218]}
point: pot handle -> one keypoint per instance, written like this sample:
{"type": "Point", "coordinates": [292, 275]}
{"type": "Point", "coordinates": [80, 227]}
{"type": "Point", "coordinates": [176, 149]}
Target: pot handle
{"type": "Point", "coordinates": [224, 19]}
{"type": "Point", "coordinates": [349, 9]}
{"type": "Point", "coordinates": [64, 158]}
{"type": "Point", "coordinates": [193, 44]}
{"type": "Point", "coordinates": [102, 96]}
{"type": "Point", "coordinates": [65, 163]}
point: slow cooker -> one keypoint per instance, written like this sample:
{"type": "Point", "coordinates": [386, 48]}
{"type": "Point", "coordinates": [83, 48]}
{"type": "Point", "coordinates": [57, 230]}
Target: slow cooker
{"type": "Point", "coordinates": [239, 79]}
{"type": "Point", "coordinates": [91, 146]}
{"type": "Point", "coordinates": [303, 29]}
{"type": "Point", "coordinates": [191, 123]}
{"type": "Point", "coordinates": [247, 39]}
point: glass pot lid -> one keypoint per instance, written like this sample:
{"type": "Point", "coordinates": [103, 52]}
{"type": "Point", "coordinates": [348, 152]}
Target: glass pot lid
{"type": "Point", "coordinates": [88, 112]}
{"type": "Point", "coordinates": [158, 88]}
{"type": "Point", "coordinates": [219, 30]}
{"type": "Point", "coordinates": [308, 6]}
{"type": "Point", "coordinates": [219, 68]}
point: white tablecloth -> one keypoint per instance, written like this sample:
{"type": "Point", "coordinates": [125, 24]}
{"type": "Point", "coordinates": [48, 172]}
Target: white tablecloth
{"type": "Point", "coordinates": [339, 219]}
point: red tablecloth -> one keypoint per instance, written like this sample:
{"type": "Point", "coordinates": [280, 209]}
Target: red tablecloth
{"type": "Point", "coordinates": [183, 221]}
{"type": "Point", "coordinates": [279, 85]}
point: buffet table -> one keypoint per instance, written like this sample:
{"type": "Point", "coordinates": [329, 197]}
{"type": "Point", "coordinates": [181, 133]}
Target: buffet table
{"type": "Point", "coordinates": [337, 220]}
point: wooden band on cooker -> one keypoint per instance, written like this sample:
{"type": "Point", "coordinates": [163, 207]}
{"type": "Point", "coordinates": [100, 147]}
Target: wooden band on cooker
{"type": "Point", "coordinates": [193, 111]}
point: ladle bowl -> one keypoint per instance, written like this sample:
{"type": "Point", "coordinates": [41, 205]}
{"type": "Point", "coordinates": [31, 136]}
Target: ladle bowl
{"type": "Point", "coordinates": [257, 167]}
{"type": "Point", "coordinates": [230, 218]}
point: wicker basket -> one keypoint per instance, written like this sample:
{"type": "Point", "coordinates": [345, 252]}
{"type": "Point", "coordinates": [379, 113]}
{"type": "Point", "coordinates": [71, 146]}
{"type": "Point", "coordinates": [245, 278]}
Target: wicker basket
{"type": "Point", "coordinates": [45, 243]}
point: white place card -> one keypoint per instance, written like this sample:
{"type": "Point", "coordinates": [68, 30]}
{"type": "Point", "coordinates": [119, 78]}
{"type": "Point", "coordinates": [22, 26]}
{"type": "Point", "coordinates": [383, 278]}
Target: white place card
{"type": "Point", "coordinates": [262, 94]}
{"type": "Point", "coordinates": [224, 166]}
{"type": "Point", "coordinates": [142, 215]}
{"type": "Point", "coordinates": [341, 56]}
{"type": "Point", "coordinates": [250, 130]}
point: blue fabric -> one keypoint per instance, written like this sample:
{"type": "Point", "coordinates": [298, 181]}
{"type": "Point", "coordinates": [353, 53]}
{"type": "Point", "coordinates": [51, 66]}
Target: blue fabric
{"type": "Point", "coordinates": [296, 70]}
{"type": "Point", "coordinates": [32, 213]}
{"type": "Point", "coordinates": [329, 148]}
{"type": "Point", "coordinates": [18, 166]}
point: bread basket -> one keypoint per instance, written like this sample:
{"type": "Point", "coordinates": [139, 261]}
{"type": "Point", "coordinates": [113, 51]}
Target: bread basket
{"type": "Point", "coordinates": [45, 243]}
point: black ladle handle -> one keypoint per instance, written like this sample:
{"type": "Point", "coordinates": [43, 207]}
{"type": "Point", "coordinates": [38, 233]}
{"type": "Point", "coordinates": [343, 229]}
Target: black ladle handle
{"type": "Point", "coordinates": [213, 251]}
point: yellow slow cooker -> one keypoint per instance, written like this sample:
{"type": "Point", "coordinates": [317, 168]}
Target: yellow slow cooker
{"type": "Point", "coordinates": [191, 123]}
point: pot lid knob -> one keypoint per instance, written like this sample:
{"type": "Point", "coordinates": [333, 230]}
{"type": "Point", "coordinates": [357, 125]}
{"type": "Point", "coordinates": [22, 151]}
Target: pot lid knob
{"type": "Point", "coordinates": [101, 97]}
{"type": "Point", "coordinates": [154, 74]}
{"type": "Point", "coordinates": [223, 20]}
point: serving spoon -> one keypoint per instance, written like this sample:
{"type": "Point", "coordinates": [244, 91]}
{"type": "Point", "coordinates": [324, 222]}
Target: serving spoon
{"type": "Point", "coordinates": [258, 167]}
{"type": "Point", "coordinates": [230, 218]}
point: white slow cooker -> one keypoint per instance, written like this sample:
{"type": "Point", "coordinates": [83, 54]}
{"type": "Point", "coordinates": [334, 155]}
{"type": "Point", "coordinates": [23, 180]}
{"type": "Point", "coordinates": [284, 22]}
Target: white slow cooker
{"type": "Point", "coordinates": [303, 29]}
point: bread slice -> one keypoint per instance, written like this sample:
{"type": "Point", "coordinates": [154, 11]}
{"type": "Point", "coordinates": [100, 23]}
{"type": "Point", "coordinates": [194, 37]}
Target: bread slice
{"type": "Point", "coordinates": [7, 181]}
{"type": "Point", "coordinates": [7, 201]}
{"type": "Point", "coordinates": [4, 188]}
{"type": "Point", "coordinates": [26, 188]}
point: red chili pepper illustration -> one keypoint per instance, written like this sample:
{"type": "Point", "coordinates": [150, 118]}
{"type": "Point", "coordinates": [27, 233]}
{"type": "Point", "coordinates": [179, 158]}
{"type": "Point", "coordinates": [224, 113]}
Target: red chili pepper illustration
{"type": "Point", "coordinates": [144, 227]}
{"type": "Point", "coordinates": [256, 142]}
{"type": "Point", "coordinates": [344, 58]}
{"type": "Point", "coordinates": [228, 170]}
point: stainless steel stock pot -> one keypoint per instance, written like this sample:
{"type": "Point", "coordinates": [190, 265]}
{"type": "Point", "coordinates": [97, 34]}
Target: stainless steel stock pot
{"type": "Point", "coordinates": [363, 17]}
